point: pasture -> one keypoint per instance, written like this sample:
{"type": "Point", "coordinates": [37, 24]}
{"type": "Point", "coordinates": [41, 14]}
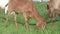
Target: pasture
{"type": "Point", "coordinates": [11, 29]}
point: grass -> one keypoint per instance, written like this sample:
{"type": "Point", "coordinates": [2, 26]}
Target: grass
{"type": "Point", "coordinates": [11, 29]}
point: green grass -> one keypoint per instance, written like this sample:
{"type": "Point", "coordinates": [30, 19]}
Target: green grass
{"type": "Point", "coordinates": [11, 29]}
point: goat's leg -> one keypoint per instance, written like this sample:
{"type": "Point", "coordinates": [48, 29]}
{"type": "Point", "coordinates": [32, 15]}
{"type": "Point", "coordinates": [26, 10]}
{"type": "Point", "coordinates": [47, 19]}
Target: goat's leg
{"type": "Point", "coordinates": [26, 21]}
{"type": "Point", "coordinates": [49, 14]}
{"type": "Point", "coordinates": [54, 19]}
{"type": "Point", "coordinates": [7, 18]}
{"type": "Point", "coordinates": [15, 15]}
{"type": "Point", "coordinates": [50, 11]}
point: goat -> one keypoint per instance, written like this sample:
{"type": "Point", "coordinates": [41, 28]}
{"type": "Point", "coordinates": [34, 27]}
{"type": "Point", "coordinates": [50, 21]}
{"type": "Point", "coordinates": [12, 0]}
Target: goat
{"type": "Point", "coordinates": [28, 10]}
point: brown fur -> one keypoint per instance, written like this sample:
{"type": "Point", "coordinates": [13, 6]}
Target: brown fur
{"type": "Point", "coordinates": [28, 10]}
{"type": "Point", "coordinates": [54, 9]}
{"type": "Point", "coordinates": [49, 7]}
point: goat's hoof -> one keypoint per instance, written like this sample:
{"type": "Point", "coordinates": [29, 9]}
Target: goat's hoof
{"type": "Point", "coordinates": [37, 28]}
{"type": "Point", "coordinates": [28, 28]}
{"type": "Point", "coordinates": [16, 25]}
{"type": "Point", "coordinates": [6, 26]}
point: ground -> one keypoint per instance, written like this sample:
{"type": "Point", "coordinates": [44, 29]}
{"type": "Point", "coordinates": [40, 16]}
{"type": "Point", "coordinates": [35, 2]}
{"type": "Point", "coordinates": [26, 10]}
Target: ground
{"type": "Point", "coordinates": [11, 29]}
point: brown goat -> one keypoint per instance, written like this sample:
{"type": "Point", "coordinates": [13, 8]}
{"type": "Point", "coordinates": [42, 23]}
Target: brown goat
{"type": "Point", "coordinates": [54, 9]}
{"type": "Point", "coordinates": [28, 10]}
